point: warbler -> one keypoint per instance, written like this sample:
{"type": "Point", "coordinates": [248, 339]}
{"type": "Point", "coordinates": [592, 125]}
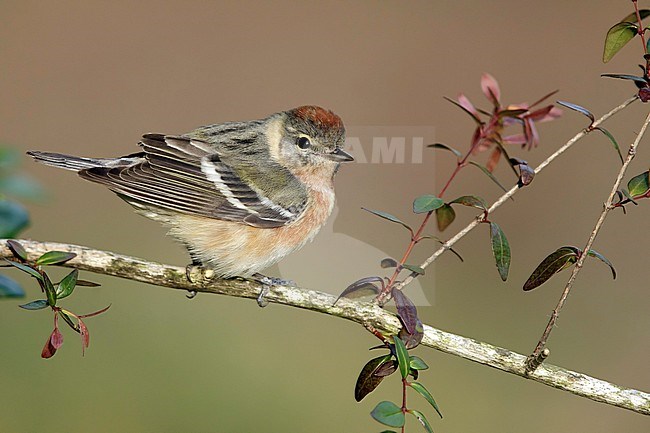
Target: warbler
{"type": "Point", "coordinates": [239, 195]}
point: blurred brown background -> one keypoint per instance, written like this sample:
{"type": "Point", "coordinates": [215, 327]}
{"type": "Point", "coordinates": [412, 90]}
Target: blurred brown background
{"type": "Point", "coordinates": [89, 77]}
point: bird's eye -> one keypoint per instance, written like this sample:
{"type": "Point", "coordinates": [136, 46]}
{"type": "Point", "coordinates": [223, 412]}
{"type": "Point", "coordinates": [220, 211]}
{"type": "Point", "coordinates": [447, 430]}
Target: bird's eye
{"type": "Point", "coordinates": [304, 142]}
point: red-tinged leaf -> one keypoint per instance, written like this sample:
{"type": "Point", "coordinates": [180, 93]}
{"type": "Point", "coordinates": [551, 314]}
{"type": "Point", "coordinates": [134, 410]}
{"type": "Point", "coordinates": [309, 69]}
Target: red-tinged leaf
{"type": "Point", "coordinates": [464, 102]}
{"type": "Point", "coordinates": [368, 379]}
{"type": "Point", "coordinates": [542, 99]}
{"type": "Point", "coordinates": [85, 337]}
{"type": "Point", "coordinates": [363, 285]}
{"type": "Point", "coordinates": [17, 249]}
{"type": "Point", "coordinates": [474, 117]}
{"type": "Point", "coordinates": [617, 37]}
{"type": "Point", "coordinates": [540, 114]}
{"type": "Point", "coordinates": [644, 94]}
{"type": "Point", "coordinates": [56, 338]}
{"type": "Point", "coordinates": [445, 147]}
{"type": "Point", "coordinates": [530, 130]}
{"type": "Point", "coordinates": [596, 254]}
{"type": "Point", "coordinates": [526, 174]}
{"type": "Point", "coordinates": [445, 215]}
{"type": "Point", "coordinates": [96, 313]}
{"type": "Point", "coordinates": [555, 113]}
{"type": "Point", "coordinates": [48, 350]}
{"type": "Point", "coordinates": [490, 88]}
{"type": "Point", "coordinates": [551, 265]}
{"type": "Point", "coordinates": [472, 201]}
{"type": "Point", "coordinates": [387, 368]}
{"type": "Point", "coordinates": [500, 249]}
{"type": "Point", "coordinates": [493, 160]}
{"type": "Point", "coordinates": [406, 310]}
{"type": "Point", "coordinates": [612, 140]}
{"type": "Point", "coordinates": [579, 109]}
{"type": "Point", "coordinates": [515, 139]}
{"type": "Point", "coordinates": [389, 217]}
{"type": "Point", "coordinates": [412, 340]}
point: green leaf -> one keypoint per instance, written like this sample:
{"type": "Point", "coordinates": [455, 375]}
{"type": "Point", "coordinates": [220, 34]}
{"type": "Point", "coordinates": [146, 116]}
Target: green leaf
{"type": "Point", "coordinates": [403, 358]}
{"type": "Point", "coordinates": [472, 115]}
{"type": "Point", "coordinates": [500, 249]}
{"type": "Point", "coordinates": [388, 413]}
{"type": "Point", "coordinates": [489, 174]}
{"type": "Point", "coordinates": [21, 186]}
{"type": "Point", "coordinates": [603, 259]}
{"type": "Point", "coordinates": [427, 203]}
{"type": "Point", "coordinates": [367, 380]}
{"type": "Point", "coordinates": [617, 37]}
{"type": "Point", "coordinates": [639, 185]}
{"type": "Point", "coordinates": [634, 78]}
{"type": "Point", "coordinates": [426, 394]}
{"type": "Point", "coordinates": [631, 18]}
{"type": "Point", "coordinates": [17, 249]}
{"type": "Point", "coordinates": [67, 285]}
{"type": "Point", "coordinates": [364, 285]}
{"type": "Point", "coordinates": [9, 288]}
{"type": "Point", "coordinates": [54, 258]}
{"type": "Point", "coordinates": [551, 265]}
{"type": "Point", "coordinates": [418, 363]}
{"type": "Point", "coordinates": [613, 140]}
{"type": "Point", "coordinates": [13, 219]}
{"type": "Point", "coordinates": [579, 109]}
{"type": "Point", "coordinates": [35, 305]}
{"type": "Point", "coordinates": [65, 315]}
{"type": "Point", "coordinates": [445, 215]}
{"type": "Point", "coordinates": [413, 268]}
{"type": "Point", "coordinates": [472, 201]}
{"type": "Point", "coordinates": [33, 272]}
{"type": "Point", "coordinates": [445, 147]}
{"type": "Point", "coordinates": [389, 217]}
{"type": "Point", "coordinates": [422, 419]}
{"type": "Point", "coordinates": [50, 291]}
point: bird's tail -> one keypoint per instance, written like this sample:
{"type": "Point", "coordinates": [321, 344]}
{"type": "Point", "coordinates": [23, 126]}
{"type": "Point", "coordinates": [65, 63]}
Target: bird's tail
{"type": "Point", "coordinates": [77, 163]}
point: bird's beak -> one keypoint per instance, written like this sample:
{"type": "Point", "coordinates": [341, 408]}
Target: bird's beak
{"type": "Point", "coordinates": [339, 155]}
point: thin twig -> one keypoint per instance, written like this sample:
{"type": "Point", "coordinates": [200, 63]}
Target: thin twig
{"type": "Point", "coordinates": [501, 200]}
{"type": "Point", "coordinates": [365, 313]}
{"type": "Point", "coordinates": [607, 206]}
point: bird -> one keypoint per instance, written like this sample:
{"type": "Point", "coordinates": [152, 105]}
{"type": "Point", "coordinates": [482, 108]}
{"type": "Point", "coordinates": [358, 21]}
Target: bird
{"type": "Point", "coordinates": [239, 196]}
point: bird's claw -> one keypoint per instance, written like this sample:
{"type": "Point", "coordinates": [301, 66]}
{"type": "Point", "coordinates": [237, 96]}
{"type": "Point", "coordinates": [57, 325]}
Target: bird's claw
{"type": "Point", "coordinates": [267, 283]}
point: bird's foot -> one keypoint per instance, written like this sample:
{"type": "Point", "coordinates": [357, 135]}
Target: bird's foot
{"type": "Point", "coordinates": [195, 274]}
{"type": "Point", "coordinates": [267, 283]}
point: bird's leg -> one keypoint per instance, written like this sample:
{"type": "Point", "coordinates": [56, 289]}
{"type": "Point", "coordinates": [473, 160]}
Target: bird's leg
{"type": "Point", "coordinates": [267, 282]}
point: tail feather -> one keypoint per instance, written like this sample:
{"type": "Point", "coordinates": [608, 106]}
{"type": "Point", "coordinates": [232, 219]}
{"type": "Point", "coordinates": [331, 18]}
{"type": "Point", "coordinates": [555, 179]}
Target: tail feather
{"type": "Point", "coordinates": [76, 163]}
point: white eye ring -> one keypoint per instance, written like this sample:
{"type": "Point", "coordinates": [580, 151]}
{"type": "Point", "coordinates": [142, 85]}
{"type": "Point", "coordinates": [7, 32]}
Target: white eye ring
{"type": "Point", "coordinates": [303, 142]}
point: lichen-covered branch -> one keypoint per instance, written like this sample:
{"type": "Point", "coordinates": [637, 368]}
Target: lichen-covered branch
{"type": "Point", "coordinates": [366, 313]}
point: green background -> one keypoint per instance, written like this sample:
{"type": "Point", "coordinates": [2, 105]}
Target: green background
{"type": "Point", "coordinates": [89, 77]}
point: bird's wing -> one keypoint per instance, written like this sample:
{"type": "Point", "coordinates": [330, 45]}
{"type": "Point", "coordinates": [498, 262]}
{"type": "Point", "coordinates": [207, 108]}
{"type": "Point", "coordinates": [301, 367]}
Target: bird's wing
{"type": "Point", "coordinates": [187, 175]}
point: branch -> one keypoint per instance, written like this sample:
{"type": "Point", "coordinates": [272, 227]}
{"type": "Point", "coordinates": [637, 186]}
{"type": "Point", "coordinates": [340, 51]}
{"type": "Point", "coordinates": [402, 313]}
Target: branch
{"type": "Point", "coordinates": [365, 313]}
{"type": "Point", "coordinates": [501, 200]}
{"type": "Point", "coordinates": [534, 358]}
